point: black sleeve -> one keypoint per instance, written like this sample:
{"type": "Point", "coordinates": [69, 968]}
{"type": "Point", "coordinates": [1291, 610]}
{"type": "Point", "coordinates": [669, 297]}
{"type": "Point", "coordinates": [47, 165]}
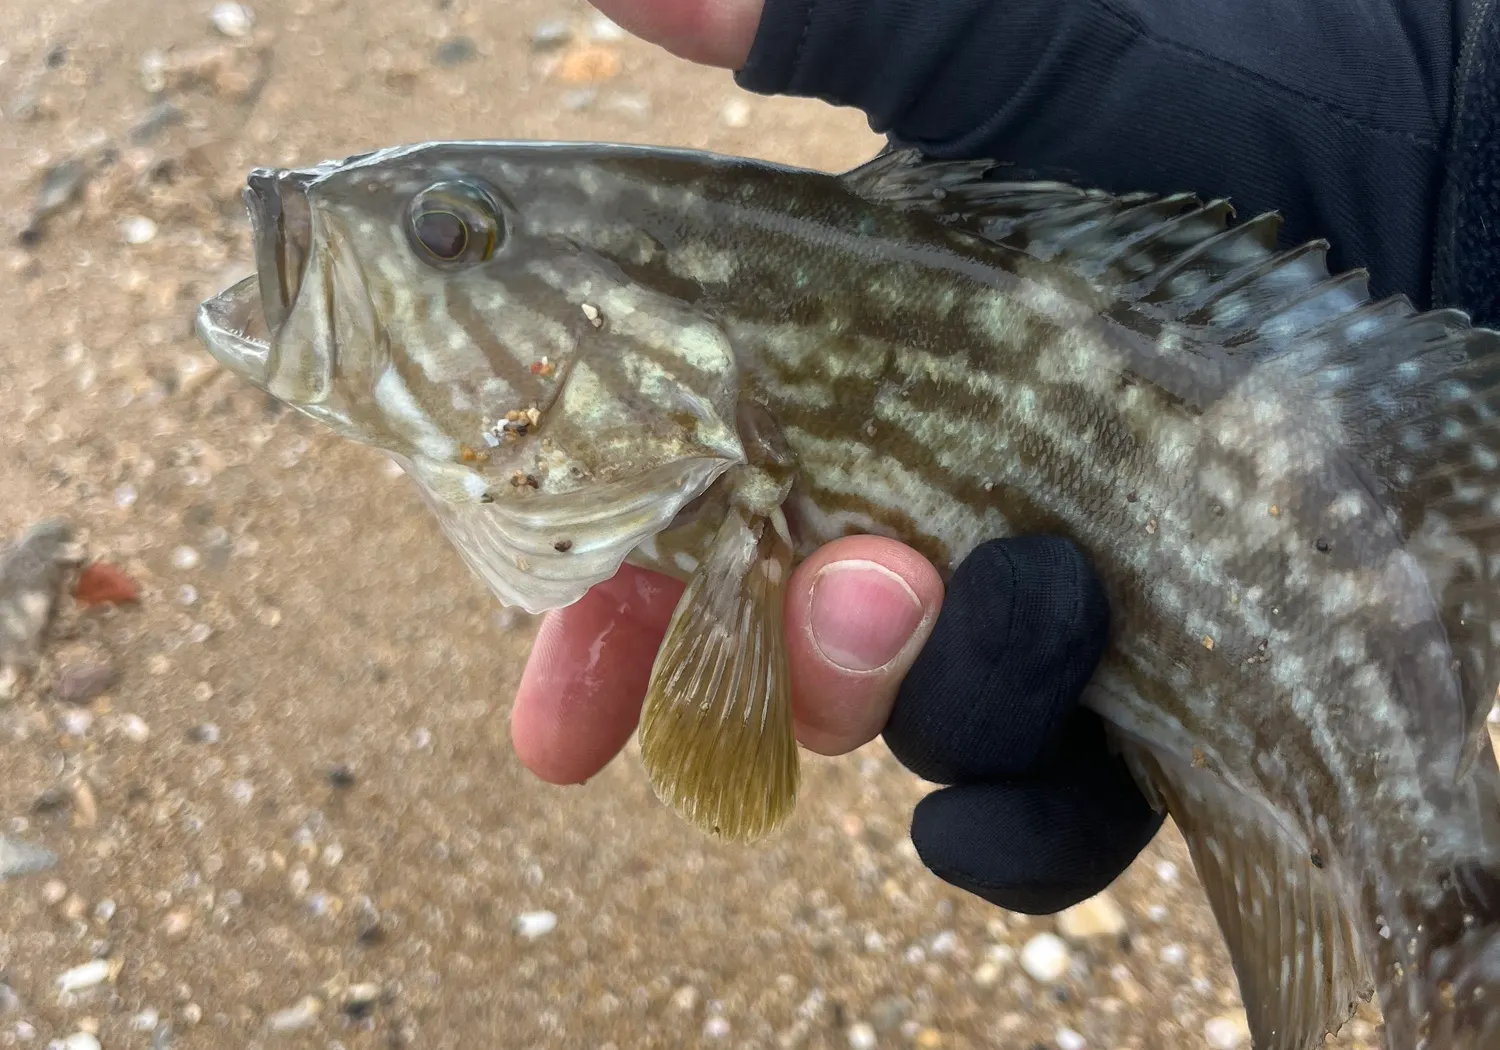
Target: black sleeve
{"type": "Point", "coordinates": [1467, 260]}
{"type": "Point", "coordinates": [1337, 113]}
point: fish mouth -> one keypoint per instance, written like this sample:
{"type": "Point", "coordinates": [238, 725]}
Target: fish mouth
{"type": "Point", "coordinates": [287, 328]}
{"type": "Point", "coordinates": [239, 324]}
{"type": "Point", "coordinates": [281, 219]}
{"type": "Point", "coordinates": [231, 325]}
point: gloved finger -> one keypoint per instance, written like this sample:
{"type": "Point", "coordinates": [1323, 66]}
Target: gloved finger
{"type": "Point", "coordinates": [1022, 627]}
{"type": "Point", "coordinates": [1037, 846]}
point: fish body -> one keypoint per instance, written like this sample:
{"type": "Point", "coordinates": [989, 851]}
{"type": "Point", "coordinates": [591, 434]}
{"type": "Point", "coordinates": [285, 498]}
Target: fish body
{"type": "Point", "coordinates": [588, 355]}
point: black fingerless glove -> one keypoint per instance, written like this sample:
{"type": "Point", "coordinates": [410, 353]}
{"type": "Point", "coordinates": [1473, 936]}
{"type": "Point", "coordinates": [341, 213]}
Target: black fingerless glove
{"type": "Point", "coordinates": [1041, 814]}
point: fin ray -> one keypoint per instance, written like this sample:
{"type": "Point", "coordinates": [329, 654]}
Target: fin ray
{"type": "Point", "coordinates": [1294, 944]}
{"type": "Point", "coordinates": [1415, 394]}
{"type": "Point", "coordinates": [716, 729]}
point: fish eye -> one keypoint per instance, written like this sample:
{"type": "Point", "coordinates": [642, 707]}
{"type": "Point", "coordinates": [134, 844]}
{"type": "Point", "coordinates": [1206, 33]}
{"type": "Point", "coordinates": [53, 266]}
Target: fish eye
{"type": "Point", "coordinates": [454, 224]}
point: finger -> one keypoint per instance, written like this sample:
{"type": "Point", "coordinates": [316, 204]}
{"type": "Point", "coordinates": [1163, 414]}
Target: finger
{"type": "Point", "coordinates": [1039, 846]}
{"type": "Point", "coordinates": [1022, 629]}
{"type": "Point", "coordinates": [713, 32]}
{"type": "Point", "coordinates": [857, 613]}
{"type": "Point", "coordinates": [580, 695]}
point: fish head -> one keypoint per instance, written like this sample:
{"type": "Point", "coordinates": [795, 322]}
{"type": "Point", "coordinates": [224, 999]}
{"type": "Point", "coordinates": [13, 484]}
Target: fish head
{"type": "Point", "coordinates": [452, 305]}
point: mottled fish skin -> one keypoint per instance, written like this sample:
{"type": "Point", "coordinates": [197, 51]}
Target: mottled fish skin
{"type": "Point", "coordinates": [1291, 494]}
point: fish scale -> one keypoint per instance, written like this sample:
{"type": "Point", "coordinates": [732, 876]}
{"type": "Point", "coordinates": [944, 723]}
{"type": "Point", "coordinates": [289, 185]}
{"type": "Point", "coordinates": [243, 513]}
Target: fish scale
{"type": "Point", "coordinates": [1291, 493]}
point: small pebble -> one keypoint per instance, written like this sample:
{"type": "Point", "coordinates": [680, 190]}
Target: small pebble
{"type": "Point", "coordinates": [105, 910]}
{"type": "Point", "coordinates": [295, 1017]}
{"type": "Point", "coordinates": [1067, 1039]}
{"type": "Point", "coordinates": [715, 1027]}
{"type": "Point", "coordinates": [10, 1002]}
{"type": "Point", "coordinates": [862, 1037]}
{"type": "Point", "coordinates": [187, 594]}
{"type": "Point", "coordinates": [80, 683]}
{"type": "Point", "coordinates": [19, 858]}
{"type": "Point", "coordinates": [361, 999]}
{"type": "Point", "coordinates": [1227, 1031]}
{"type": "Point", "coordinates": [736, 113]}
{"type": "Point", "coordinates": [54, 891]}
{"type": "Point", "coordinates": [137, 229]}
{"type": "Point", "coordinates": [604, 30]}
{"type": "Point", "coordinates": [1166, 871]}
{"type": "Point", "coordinates": [125, 496]}
{"type": "Point", "coordinates": [1097, 917]}
{"type": "Point", "coordinates": [159, 118]}
{"type": "Point", "coordinates": [455, 52]}
{"type": "Point", "coordinates": [1045, 957]}
{"type": "Point", "coordinates": [185, 558]}
{"type": "Point", "coordinates": [1174, 955]}
{"type": "Point", "coordinates": [77, 722]}
{"type": "Point", "coordinates": [685, 999]}
{"type": "Point", "coordinates": [231, 19]}
{"type": "Point", "coordinates": [534, 924]}
{"type": "Point", "coordinates": [135, 727]}
{"type": "Point", "coordinates": [207, 733]}
{"type": "Point", "coordinates": [177, 923]}
{"type": "Point", "coordinates": [631, 104]}
{"type": "Point", "coordinates": [550, 35]}
{"type": "Point", "coordinates": [90, 974]}
{"type": "Point", "coordinates": [79, 1041]}
{"type": "Point", "coordinates": [145, 1021]}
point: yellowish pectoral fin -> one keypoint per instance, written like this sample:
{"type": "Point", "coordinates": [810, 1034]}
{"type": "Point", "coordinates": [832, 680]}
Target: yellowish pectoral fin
{"type": "Point", "coordinates": [716, 732]}
{"type": "Point", "coordinates": [1295, 950]}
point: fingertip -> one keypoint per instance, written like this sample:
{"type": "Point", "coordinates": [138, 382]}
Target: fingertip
{"type": "Point", "coordinates": [580, 694]}
{"type": "Point", "coordinates": [858, 612]}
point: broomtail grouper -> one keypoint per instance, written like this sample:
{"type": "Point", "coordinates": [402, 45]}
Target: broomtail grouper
{"type": "Point", "coordinates": [587, 355]}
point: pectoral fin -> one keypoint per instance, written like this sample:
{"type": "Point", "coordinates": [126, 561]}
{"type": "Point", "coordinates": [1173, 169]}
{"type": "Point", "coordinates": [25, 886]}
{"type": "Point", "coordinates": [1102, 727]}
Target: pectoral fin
{"type": "Point", "coordinates": [1294, 947]}
{"type": "Point", "coordinates": [716, 733]}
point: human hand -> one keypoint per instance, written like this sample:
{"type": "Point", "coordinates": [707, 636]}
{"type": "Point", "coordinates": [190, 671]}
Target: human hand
{"type": "Point", "coordinates": [857, 613]}
{"type": "Point", "coordinates": [1038, 814]}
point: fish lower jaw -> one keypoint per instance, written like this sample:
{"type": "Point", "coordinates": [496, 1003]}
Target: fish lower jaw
{"type": "Point", "coordinates": [224, 322]}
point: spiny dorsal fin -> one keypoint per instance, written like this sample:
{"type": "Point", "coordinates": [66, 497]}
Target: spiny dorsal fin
{"type": "Point", "coordinates": [1295, 948]}
{"type": "Point", "coordinates": [1417, 393]}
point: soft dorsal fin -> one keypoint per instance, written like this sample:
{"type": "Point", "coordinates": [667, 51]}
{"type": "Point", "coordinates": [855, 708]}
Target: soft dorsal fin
{"type": "Point", "coordinates": [1418, 393]}
{"type": "Point", "coordinates": [1296, 952]}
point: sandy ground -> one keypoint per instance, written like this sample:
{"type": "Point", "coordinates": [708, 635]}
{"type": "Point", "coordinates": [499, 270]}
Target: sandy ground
{"type": "Point", "coordinates": [294, 818]}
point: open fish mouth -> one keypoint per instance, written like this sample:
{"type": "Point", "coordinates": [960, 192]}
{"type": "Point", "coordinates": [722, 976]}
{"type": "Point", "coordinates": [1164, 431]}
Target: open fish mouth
{"type": "Point", "coordinates": [282, 220]}
{"type": "Point", "coordinates": [239, 325]}
{"type": "Point", "coordinates": [232, 326]}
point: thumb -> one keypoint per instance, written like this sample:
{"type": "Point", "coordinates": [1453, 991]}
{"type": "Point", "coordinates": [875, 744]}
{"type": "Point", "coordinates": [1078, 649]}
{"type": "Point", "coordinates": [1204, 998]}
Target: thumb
{"type": "Point", "coordinates": [711, 32]}
{"type": "Point", "coordinates": [858, 612]}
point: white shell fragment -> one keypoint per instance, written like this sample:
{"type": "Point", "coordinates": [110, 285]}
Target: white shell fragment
{"type": "Point", "coordinates": [92, 973]}
{"type": "Point", "coordinates": [534, 924]}
{"type": "Point", "coordinates": [19, 858]}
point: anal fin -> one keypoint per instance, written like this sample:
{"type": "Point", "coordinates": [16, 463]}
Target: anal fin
{"type": "Point", "coordinates": [716, 732]}
{"type": "Point", "coordinates": [1294, 944]}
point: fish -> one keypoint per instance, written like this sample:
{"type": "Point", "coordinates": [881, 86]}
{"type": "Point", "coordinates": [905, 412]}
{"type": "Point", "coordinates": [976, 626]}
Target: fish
{"type": "Point", "coordinates": [588, 355]}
